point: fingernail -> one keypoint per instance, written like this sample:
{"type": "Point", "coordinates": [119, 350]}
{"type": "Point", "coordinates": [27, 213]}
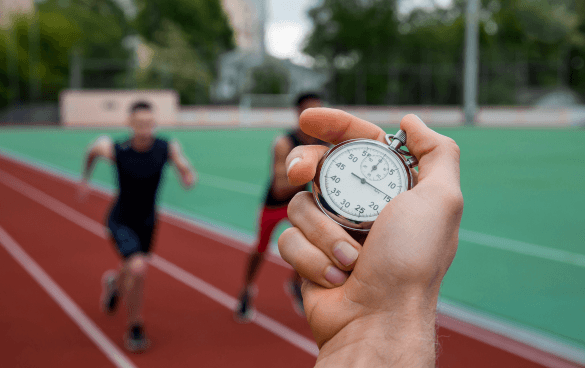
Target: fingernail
{"type": "Point", "coordinates": [345, 253]}
{"type": "Point", "coordinates": [335, 275]}
{"type": "Point", "coordinates": [293, 163]}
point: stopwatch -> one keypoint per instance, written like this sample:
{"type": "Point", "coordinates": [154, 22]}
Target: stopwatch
{"type": "Point", "coordinates": [357, 178]}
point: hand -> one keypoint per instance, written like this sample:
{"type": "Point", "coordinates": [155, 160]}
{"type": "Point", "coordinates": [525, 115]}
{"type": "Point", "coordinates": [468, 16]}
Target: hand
{"type": "Point", "coordinates": [188, 179]}
{"type": "Point", "coordinates": [83, 190]}
{"type": "Point", "coordinates": [384, 310]}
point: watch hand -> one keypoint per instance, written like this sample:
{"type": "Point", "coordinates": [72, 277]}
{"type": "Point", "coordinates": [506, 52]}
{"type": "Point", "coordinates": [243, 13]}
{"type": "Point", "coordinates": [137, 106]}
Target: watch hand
{"type": "Point", "coordinates": [375, 167]}
{"type": "Point", "coordinates": [365, 182]}
{"type": "Point", "coordinates": [362, 179]}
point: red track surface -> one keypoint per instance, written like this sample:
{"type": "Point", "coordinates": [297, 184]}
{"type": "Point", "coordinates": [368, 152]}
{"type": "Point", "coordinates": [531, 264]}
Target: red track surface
{"type": "Point", "coordinates": [186, 327]}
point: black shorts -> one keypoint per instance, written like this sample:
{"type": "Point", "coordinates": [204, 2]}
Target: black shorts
{"type": "Point", "coordinates": [130, 239]}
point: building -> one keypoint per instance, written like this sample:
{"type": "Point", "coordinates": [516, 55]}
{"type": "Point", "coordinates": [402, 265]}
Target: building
{"type": "Point", "coordinates": [10, 7]}
{"type": "Point", "coordinates": [248, 18]}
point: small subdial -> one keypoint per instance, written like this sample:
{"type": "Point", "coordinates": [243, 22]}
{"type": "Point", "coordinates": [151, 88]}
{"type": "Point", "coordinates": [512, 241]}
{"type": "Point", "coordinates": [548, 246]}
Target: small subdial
{"type": "Point", "coordinates": [375, 167]}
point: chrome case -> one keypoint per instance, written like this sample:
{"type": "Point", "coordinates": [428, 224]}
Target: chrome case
{"type": "Point", "coordinates": [346, 223]}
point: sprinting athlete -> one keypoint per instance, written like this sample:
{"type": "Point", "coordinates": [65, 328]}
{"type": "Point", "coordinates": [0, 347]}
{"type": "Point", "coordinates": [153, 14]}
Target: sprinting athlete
{"type": "Point", "coordinates": [278, 195]}
{"type": "Point", "coordinates": [132, 219]}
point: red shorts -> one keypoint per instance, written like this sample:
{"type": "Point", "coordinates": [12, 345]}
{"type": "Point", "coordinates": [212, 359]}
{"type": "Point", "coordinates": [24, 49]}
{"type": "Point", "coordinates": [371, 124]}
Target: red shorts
{"type": "Point", "coordinates": [268, 220]}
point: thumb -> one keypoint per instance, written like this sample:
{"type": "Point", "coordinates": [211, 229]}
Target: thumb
{"type": "Point", "coordinates": [302, 163]}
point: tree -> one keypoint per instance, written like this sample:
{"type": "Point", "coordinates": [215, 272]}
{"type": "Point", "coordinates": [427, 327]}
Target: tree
{"type": "Point", "coordinates": [204, 33]}
{"type": "Point", "coordinates": [269, 78]}
{"type": "Point", "coordinates": [377, 56]}
{"type": "Point", "coordinates": [177, 65]}
{"type": "Point", "coordinates": [38, 46]}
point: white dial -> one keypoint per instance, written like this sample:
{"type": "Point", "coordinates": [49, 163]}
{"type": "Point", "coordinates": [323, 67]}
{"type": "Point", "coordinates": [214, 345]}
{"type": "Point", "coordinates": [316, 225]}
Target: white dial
{"type": "Point", "coordinates": [375, 167]}
{"type": "Point", "coordinates": [360, 178]}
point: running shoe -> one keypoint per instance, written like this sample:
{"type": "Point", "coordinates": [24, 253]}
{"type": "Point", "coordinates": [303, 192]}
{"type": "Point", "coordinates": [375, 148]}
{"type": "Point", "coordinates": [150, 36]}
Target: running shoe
{"type": "Point", "coordinates": [110, 296]}
{"type": "Point", "coordinates": [293, 289]}
{"type": "Point", "coordinates": [244, 312]}
{"type": "Point", "coordinates": [135, 339]}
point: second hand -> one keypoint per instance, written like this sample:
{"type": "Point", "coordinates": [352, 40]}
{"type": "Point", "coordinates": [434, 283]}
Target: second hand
{"type": "Point", "coordinates": [363, 180]}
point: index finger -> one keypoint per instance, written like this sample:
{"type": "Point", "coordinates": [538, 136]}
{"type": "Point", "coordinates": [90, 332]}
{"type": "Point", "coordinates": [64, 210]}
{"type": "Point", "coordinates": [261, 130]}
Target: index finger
{"type": "Point", "coordinates": [335, 126]}
{"type": "Point", "coordinates": [437, 154]}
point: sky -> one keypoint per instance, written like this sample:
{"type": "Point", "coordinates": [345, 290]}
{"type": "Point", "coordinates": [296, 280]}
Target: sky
{"type": "Point", "coordinates": [288, 25]}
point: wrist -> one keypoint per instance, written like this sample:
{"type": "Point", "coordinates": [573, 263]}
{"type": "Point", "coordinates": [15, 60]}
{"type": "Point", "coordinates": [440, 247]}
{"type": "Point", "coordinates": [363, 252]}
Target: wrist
{"type": "Point", "coordinates": [404, 337]}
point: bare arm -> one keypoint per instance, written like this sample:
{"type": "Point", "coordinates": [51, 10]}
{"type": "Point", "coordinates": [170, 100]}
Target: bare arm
{"type": "Point", "coordinates": [280, 185]}
{"type": "Point", "coordinates": [103, 147]}
{"type": "Point", "coordinates": [383, 312]}
{"type": "Point", "coordinates": [186, 172]}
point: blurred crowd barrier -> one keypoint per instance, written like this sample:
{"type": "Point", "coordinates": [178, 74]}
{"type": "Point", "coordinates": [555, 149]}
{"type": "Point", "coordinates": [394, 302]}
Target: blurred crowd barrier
{"type": "Point", "coordinates": [233, 116]}
{"type": "Point", "coordinates": [103, 108]}
{"type": "Point", "coordinates": [111, 108]}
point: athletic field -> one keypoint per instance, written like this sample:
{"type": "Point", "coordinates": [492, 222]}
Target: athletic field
{"type": "Point", "coordinates": [518, 277]}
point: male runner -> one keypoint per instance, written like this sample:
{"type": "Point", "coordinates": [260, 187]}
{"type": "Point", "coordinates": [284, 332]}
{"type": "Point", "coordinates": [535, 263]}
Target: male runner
{"type": "Point", "coordinates": [139, 164]}
{"type": "Point", "coordinates": [279, 194]}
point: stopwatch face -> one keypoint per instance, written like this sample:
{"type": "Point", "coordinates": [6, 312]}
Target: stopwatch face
{"type": "Point", "coordinates": [358, 178]}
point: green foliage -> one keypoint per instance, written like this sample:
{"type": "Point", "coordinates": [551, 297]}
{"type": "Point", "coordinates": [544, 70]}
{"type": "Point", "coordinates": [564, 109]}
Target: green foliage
{"type": "Point", "coordinates": [376, 56]}
{"type": "Point", "coordinates": [177, 65]}
{"type": "Point", "coordinates": [269, 78]}
{"type": "Point", "coordinates": [188, 37]}
{"type": "Point", "coordinates": [37, 47]}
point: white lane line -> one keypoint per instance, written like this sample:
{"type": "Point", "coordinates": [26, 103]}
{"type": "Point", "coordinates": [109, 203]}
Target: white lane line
{"type": "Point", "coordinates": [91, 330]}
{"type": "Point", "coordinates": [222, 235]}
{"type": "Point", "coordinates": [516, 340]}
{"type": "Point", "coordinates": [510, 245]}
{"type": "Point", "coordinates": [163, 265]}
{"type": "Point", "coordinates": [230, 184]}
{"type": "Point", "coordinates": [214, 181]}
{"type": "Point", "coordinates": [524, 248]}
{"type": "Point", "coordinates": [180, 218]}
{"type": "Point", "coordinates": [230, 302]}
{"type": "Point", "coordinates": [534, 339]}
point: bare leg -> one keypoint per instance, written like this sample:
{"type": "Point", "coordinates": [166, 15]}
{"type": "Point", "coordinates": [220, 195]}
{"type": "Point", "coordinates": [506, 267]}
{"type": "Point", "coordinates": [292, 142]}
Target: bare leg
{"type": "Point", "coordinates": [131, 285]}
{"type": "Point", "coordinates": [254, 262]}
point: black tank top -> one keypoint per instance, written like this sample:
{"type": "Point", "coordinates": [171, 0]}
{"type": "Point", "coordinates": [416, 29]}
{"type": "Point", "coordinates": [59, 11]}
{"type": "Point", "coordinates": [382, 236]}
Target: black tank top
{"type": "Point", "coordinates": [139, 175]}
{"type": "Point", "coordinates": [270, 199]}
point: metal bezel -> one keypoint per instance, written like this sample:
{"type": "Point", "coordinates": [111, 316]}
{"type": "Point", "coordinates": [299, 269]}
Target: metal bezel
{"type": "Point", "coordinates": [360, 226]}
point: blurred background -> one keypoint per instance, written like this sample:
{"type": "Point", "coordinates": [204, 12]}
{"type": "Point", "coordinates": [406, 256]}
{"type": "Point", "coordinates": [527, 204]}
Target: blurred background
{"type": "Point", "coordinates": [366, 53]}
{"type": "Point", "coordinates": [504, 78]}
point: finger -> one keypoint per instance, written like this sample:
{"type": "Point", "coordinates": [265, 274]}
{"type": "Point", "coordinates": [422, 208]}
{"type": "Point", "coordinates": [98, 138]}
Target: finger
{"type": "Point", "coordinates": [310, 262]}
{"type": "Point", "coordinates": [437, 154]}
{"type": "Point", "coordinates": [414, 177]}
{"type": "Point", "coordinates": [321, 231]}
{"type": "Point", "coordinates": [302, 163]}
{"type": "Point", "coordinates": [335, 126]}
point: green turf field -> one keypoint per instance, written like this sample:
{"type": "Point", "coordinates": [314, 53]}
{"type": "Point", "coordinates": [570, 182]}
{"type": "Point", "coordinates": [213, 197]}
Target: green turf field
{"type": "Point", "coordinates": [526, 186]}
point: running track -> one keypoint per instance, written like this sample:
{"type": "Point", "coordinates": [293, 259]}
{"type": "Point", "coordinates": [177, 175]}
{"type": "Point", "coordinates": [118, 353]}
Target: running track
{"type": "Point", "coordinates": [54, 251]}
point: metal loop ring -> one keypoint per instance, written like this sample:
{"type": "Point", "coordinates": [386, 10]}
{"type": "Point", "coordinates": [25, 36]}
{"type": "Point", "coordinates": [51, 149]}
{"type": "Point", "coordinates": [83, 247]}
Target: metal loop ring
{"type": "Point", "coordinates": [390, 138]}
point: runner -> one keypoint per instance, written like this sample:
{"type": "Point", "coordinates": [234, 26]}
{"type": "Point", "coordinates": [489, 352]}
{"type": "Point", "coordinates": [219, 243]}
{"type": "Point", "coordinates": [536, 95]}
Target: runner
{"type": "Point", "coordinates": [132, 220]}
{"type": "Point", "coordinates": [278, 195]}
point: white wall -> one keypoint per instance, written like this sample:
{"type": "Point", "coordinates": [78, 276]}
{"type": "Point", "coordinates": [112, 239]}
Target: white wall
{"type": "Point", "coordinates": [232, 116]}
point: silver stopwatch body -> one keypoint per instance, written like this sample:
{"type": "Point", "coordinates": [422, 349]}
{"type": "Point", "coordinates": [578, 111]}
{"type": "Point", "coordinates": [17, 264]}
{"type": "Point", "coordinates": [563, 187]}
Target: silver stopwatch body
{"type": "Point", "coordinates": [357, 178]}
